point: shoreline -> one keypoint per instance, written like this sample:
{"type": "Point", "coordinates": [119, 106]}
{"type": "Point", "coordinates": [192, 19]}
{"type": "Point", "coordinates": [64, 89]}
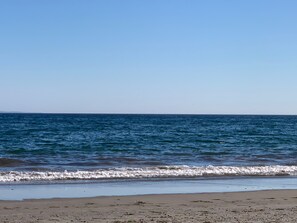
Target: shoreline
{"type": "Point", "coordinates": [252, 206]}
{"type": "Point", "coordinates": [143, 187]}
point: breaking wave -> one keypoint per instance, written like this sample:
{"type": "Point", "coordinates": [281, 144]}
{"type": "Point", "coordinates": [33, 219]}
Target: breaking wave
{"type": "Point", "coordinates": [150, 172]}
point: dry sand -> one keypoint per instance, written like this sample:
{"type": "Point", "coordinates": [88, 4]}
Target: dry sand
{"type": "Point", "coordinates": [262, 206]}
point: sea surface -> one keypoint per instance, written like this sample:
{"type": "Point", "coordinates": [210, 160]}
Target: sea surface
{"type": "Point", "coordinates": [60, 147]}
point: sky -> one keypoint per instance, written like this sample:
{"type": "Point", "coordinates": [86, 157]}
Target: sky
{"type": "Point", "coordinates": [149, 56]}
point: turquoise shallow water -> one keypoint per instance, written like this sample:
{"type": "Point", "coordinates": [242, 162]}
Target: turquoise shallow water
{"type": "Point", "coordinates": [44, 146]}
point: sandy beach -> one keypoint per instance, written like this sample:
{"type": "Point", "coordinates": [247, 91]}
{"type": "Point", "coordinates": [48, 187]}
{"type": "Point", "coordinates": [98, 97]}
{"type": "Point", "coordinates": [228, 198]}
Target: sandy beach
{"type": "Point", "coordinates": [259, 206]}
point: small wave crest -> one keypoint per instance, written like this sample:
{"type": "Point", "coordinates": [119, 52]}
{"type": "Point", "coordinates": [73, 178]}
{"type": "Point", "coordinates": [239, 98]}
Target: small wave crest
{"type": "Point", "coordinates": [150, 172]}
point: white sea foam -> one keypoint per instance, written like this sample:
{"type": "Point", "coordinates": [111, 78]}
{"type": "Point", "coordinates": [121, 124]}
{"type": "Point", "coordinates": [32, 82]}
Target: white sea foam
{"type": "Point", "coordinates": [150, 172]}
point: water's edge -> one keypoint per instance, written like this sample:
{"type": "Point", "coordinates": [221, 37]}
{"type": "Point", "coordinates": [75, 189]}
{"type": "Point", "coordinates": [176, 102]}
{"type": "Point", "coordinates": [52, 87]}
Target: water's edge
{"type": "Point", "coordinates": [143, 187]}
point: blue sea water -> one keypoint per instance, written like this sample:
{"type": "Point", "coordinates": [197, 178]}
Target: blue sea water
{"type": "Point", "coordinates": [92, 147]}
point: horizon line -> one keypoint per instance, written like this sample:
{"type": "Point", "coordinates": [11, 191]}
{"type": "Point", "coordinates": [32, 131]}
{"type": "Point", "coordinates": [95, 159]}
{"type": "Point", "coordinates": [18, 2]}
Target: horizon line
{"type": "Point", "coordinates": [127, 113]}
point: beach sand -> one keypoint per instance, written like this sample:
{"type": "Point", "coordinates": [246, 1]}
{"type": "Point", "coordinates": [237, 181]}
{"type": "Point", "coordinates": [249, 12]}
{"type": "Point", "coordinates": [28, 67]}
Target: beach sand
{"type": "Point", "coordinates": [261, 206]}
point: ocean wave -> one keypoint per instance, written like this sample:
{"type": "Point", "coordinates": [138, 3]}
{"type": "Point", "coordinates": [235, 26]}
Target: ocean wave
{"type": "Point", "coordinates": [150, 172]}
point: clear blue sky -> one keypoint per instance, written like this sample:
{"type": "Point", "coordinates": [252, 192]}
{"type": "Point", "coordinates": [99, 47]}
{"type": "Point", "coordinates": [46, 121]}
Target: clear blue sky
{"type": "Point", "coordinates": [149, 56]}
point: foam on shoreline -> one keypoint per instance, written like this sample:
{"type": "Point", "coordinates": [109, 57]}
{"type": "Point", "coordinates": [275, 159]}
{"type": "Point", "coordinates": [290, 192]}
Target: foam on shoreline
{"type": "Point", "coordinates": [150, 172]}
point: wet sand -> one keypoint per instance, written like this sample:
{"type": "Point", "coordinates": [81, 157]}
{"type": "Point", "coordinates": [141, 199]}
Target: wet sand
{"type": "Point", "coordinates": [259, 206]}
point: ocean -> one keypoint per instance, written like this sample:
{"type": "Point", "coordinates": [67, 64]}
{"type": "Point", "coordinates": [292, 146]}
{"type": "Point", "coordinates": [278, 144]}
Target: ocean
{"type": "Point", "coordinates": [96, 147]}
